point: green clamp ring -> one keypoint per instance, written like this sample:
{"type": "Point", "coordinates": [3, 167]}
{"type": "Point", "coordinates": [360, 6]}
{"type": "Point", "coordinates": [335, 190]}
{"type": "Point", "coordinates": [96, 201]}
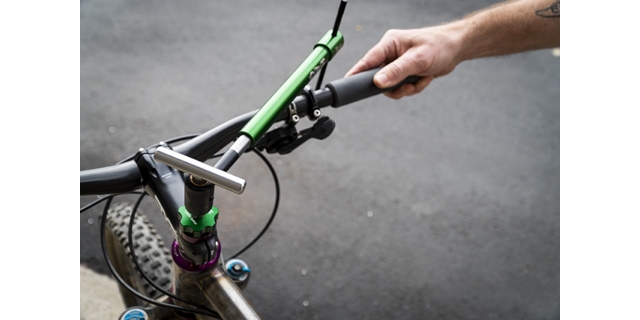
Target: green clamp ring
{"type": "Point", "coordinates": [332, 44]}
{"type": "Point", "coordinates": [196, 227]}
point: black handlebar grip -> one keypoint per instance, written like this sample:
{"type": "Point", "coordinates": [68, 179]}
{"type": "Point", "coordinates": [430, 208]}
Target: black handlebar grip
{"type": "Point", "coordinates": [359, 86]}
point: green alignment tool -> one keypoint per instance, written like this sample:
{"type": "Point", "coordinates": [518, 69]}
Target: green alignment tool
{"type": "Point", "coordinates": [315, 63]}
{"type": "Point", "coordinates": [322, 53]}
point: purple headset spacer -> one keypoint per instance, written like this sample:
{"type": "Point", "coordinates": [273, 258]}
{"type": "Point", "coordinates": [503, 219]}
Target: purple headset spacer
{"type": "Point", "coordinates": [190, 266]}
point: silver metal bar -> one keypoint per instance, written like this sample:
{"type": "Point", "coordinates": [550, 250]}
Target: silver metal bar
{"type": "Point", "coordinates": [189, 165]}
{"type": "Point", "coordinates": [241, 145]}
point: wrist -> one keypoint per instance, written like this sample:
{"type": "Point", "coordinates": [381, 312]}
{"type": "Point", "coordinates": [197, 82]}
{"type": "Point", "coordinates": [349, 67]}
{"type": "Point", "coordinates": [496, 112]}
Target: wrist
{"type": "Point", "coordinates": [505, 28]}
{"type": "Point", "coordinates": [456, 33]}
{"type": "Point", "coordinates": [471, 41]}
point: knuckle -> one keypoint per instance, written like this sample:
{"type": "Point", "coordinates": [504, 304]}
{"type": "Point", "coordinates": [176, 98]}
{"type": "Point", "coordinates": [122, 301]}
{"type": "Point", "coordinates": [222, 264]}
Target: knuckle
{"type": "Point", "coordinates": [419, 61]}
{"type": "Point", "coordinates": [363, 63]}
{"type": "Point", "coordinates": [394, 70]}
{"type": "Point", "coordinates": [392, 32]}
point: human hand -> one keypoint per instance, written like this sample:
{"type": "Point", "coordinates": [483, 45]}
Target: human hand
{"type": "Point", "coordinates": [428, 52]}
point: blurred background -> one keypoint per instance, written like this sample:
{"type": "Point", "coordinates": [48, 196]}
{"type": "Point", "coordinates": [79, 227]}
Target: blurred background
{"type": "Point", "coordinates": [443, 205]}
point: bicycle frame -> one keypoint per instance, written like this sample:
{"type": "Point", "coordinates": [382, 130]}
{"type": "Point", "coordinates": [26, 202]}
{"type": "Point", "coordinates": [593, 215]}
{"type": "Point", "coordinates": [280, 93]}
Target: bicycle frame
{"type": "Point", "coordinates": [216, 288]}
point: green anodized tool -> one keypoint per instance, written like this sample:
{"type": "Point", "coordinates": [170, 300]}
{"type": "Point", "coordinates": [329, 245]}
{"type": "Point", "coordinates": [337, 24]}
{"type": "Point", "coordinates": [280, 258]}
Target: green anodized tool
{"type": "Point", "coordinates": [315, 63]}
{"type": "Point", "coordinates": [197, 227]}
{"type": "Point", "coordinates": [322, 53]}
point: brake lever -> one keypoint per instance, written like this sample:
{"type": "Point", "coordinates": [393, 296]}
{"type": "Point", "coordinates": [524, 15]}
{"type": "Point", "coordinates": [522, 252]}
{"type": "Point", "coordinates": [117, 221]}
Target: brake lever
{"type": "Point", "coordinates": [274, 140]}
{"type": "Point", "coordinates": [321, 129]}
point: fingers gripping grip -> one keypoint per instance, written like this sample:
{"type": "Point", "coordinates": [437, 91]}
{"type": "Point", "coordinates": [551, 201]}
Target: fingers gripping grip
{"type": "Point", "coordinates": [360, 86]}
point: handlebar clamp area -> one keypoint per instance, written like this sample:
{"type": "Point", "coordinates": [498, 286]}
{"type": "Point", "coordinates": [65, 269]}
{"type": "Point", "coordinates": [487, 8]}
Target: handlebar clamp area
{"type": "Point", "coordinates": [313, 108]}
{"type": "Point", "coordinates": [293, 113]}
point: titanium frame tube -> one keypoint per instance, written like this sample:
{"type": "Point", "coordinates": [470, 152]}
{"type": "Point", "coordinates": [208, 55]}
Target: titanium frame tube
{"type": "Point", "coordinates": [225, 296]}
{"type": "Point", "coordinates": [213, 287]}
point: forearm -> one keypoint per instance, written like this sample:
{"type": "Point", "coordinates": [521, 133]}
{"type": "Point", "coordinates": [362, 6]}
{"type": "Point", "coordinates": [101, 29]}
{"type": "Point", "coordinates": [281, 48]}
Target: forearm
{"type": "Point", "coordinates": [509, 27]}
{"type": "Point", "coordinates": [433, 52]}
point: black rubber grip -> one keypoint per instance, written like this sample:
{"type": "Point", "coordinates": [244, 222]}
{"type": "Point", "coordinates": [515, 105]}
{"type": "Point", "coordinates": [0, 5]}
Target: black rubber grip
{"type": "Point", "coordinates": [360, 86]}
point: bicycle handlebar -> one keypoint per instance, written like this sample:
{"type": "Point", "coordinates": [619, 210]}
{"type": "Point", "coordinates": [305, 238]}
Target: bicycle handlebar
{"type": "Point", "coordinates": [126, 176]}
{"type": "Point", "coordinates": [358, 87]}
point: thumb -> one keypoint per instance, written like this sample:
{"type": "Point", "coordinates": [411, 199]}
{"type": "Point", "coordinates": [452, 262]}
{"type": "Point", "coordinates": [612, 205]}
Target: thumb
{"type": "Point", "coordinates": [396, 71]}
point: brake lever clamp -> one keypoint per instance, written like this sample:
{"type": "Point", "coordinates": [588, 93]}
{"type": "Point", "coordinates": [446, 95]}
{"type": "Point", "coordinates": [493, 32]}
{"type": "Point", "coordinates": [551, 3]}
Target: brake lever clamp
{"type": "Point", "coordinates": [273, 140]}
{"type": "Point", "coordinates": [321, 129]}
{"type": "Point", "coordinates": [313, 110]}
{"type": "Point", "coordinates": [293, 113]}
{"type": "Point", "coordinates": [285, 139]}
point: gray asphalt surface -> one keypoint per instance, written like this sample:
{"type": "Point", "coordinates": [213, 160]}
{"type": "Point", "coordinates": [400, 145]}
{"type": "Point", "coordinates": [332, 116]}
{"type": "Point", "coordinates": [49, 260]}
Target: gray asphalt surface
{"type": "Point", "coordinates": [443, 205]}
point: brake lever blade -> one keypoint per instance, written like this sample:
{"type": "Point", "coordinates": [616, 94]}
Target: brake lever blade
{"type": "Point", "coordinates": [320, 130]}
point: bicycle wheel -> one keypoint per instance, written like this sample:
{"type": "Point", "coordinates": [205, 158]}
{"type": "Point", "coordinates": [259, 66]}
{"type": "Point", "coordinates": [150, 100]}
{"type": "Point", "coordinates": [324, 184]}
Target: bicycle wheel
{"type": "Point", "coordinates": [154, 258]}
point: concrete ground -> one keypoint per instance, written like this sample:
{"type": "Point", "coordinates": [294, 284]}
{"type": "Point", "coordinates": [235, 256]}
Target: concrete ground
{"type": "Point", "coordinates": [99, 297]}
{"type": "Point", "coordinates": [444, 205]}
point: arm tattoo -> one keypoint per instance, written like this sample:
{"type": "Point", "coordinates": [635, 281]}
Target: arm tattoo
{"type": "Point", "coordinates": [552, 12]}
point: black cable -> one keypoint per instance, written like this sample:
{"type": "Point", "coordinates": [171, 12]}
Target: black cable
{"type": "Point", "coordinates": [321, 76]}
{"type": "Point", "coordinates": [275, 206]}
{"type": "Point", "coordinates": [184, 137]}
{"type": "Point", "coordinates": [336, 24]}
{"type": "Point", "coordinates": [134, 258]}
{"type": "Point", "coordinates": [121, 281]}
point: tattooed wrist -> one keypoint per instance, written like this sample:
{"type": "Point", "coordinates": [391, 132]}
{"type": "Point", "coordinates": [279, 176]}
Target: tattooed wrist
{"type": "Point", "coordinates": [551, 12]}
